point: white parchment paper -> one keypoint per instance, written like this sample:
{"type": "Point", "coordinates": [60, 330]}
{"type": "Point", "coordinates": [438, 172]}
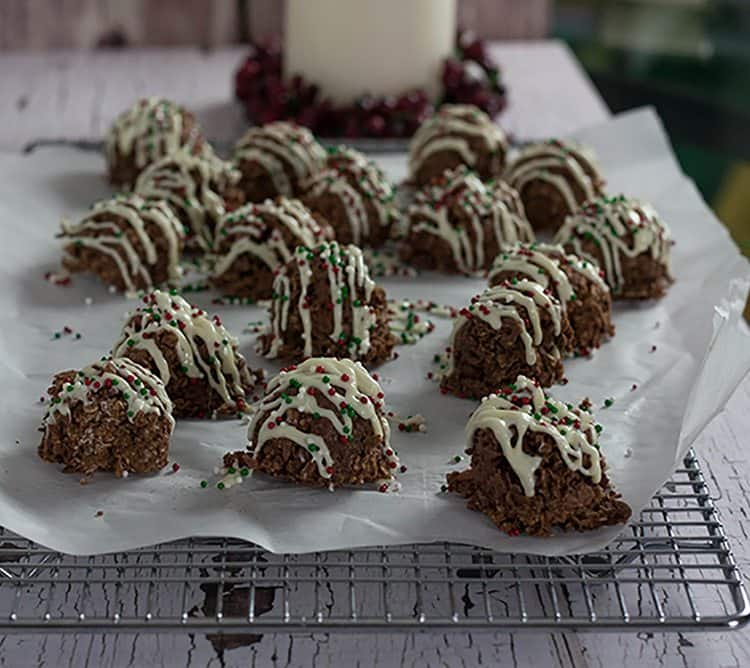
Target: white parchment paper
{"type": "Point", "coordinates": [701, 355]}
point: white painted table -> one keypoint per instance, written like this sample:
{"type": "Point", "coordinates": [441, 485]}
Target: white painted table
{"type": "Point", "coordinates": [76, 95]}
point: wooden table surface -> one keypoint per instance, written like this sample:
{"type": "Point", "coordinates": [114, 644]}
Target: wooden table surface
{"type": "Point", "coordinates": [76, 94]}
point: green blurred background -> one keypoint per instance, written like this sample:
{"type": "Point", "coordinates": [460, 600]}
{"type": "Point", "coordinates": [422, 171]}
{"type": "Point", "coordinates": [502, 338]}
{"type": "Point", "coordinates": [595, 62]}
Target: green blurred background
{"type": "Point", "coordinates": [691, 60]}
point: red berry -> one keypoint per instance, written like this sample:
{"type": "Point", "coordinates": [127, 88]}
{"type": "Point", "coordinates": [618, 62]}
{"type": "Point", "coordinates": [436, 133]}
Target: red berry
{"type": "Point", "coordinates": [375, 126]}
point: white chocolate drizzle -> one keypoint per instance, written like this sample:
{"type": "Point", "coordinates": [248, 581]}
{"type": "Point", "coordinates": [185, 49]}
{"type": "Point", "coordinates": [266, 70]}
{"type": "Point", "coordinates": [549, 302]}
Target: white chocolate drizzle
{"type": "Point", "coordinates": [104, 229]}
{"type": "Point", "coordinates": [355, 180]}
{"type": "Point", "coordinates": [619, 227]}
{"type": "Point", "coordinates": [450, 129]}
{"type": "Point", "coordinates": [543, 161]}
{"type": "Point", "coordinates": [276, 145]}
{"type": "Point", "coordinates": [353, 392]}
{"type": "Point", "coordinates": [249, 231]}
{"type": "Point", "coordinates": [143, 391]}
{"type": "Point", "coordinates": [193, 186]}
{"type": "Point", "coordinates": [219, 365]}
{"type": "Point", "coordinates": [151, 129]}
{"type": "Point", "coordinates": [341, 156]}
{"type": "Point", "coordinates": [349, 282]}
{"type": "Point", "coordinates": [543, 264]}
{"type": "Point", "coordinates": [514, 300]}
{"type": "Point", "coordinates": [485, 213]}
{"type": "Point", "coordinates": [524, 408]}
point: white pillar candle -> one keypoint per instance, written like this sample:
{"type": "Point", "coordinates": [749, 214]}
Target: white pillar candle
{"type": "Point", "coordinates": [381, 47]}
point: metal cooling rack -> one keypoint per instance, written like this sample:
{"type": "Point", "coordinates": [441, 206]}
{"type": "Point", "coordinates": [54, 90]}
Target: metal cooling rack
{"type": "Point", "coordinates": [672, 570]}
{"type": "Point", "coordinates": [365, 144]}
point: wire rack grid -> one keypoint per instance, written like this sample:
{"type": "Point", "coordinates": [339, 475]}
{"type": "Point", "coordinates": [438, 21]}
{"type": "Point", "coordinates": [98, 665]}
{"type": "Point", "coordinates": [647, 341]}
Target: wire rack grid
{"type": "Point", "coordinates": [671, 570]}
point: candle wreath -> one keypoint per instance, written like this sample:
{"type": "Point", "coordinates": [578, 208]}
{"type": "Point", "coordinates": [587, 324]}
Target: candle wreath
{"type": "Point", "coordinates": [469, 76]}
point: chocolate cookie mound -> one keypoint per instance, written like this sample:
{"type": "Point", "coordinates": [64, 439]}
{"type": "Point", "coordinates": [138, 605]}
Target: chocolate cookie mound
{"type": "Point", "coordinates": [458, 134]}
{"type": "Point", "coordinates": [457, 224]}
{"type": "Point", "coordinates": [200, 190]}
{"type": "Point", "coordinates": [554, 178]}
{"type": "Point", "coordinates": [577, 284]}
{"type": "Point", "coordinates": [128, 242]}
{"type": "Point", "coordinates": [276, 159]}
{"type": "Point", "coordinates": [151, 129]}
{"type": "Point", "coordinates": [324, 303]}
{"type": "Point", "coordinates": [355, 197]}
{"type": "Point", "coordinates": [113, 415]}
{"type": "Point", "coordinates": [193, 354]}
{"type": "Point", "coordinates": [255, 240]}
{"type": "Point", "coordinates": [536, 465]}
{"type": "Point", "coordinates": [628, 240]}
{"type": "Point", "coordinates": [514, 328]}
{"type": "Point", "coordinates": [321, 423]}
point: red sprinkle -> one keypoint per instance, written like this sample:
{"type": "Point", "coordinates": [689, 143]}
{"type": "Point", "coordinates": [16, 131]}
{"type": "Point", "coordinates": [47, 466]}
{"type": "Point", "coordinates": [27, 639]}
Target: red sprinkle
{"type": "Point", "coordinates": [175, 467]}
